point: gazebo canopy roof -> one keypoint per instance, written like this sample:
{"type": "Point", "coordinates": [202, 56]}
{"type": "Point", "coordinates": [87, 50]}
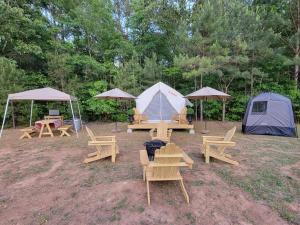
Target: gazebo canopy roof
{"type": "Point", "coordinates": [42, 94]}
{"type": "Point", "coordinates": [207, 93]}
{"type": "Point", "coordinates": [115, 93]}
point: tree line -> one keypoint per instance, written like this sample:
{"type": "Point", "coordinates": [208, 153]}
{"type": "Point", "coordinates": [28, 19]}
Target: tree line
{"type": "Point", "coordinates": [242, 47]}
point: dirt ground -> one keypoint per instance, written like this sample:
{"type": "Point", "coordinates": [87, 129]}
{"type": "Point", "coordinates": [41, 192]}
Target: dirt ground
{"type": "Point", "coordinates": [44, 181]}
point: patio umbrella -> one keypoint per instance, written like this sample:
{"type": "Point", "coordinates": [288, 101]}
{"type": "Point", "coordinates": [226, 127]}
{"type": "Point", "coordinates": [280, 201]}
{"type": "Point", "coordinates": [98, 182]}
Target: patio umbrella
{"type": "Point", "coordinates": [116, 94]}
{"type": "Point", "coordinates": [207, 93]}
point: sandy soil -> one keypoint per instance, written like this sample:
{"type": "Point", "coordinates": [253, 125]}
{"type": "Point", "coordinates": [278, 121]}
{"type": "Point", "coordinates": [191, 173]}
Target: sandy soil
{"type": "Point", "coordinates": [43, 181]}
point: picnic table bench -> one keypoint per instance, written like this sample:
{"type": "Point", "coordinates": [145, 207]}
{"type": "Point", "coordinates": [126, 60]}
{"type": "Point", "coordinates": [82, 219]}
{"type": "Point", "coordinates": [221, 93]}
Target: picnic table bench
{"type": "Point", "coordinates": [64, 130]}
{"type": "Point", "coordinates": [27, 131]}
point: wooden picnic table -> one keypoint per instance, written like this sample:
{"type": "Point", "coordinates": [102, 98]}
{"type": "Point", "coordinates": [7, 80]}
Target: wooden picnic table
{"type": "Point", "coordinates": [46, 124]}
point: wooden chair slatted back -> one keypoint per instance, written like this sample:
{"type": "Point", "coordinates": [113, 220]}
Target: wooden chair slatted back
{"type": "Point", "coordinates": [136, 111]}
{"type": "Point", "coordinates": [162, 130]}
{"type": "Point", "coordinates": [137, 115]}
{"type": "Point", "coordinates": [184, 111]}
{"type": "Point", "coordinates": [182, 115]}
{"type": "Point", "coordinates": [228, 136]}
{"type": "Point", "coordinates": [90, 133]}
{"type": "Point", "coordinates": [93, 138]}
{"type": "Point", "coordinates": [162, 171]}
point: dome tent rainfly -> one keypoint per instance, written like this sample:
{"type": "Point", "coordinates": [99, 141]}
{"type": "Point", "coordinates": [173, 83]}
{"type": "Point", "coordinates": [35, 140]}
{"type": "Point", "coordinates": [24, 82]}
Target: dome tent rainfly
{"type": "Point", "coordinates": [41, 94]}
{"type": "Point", "coordinates": [160, 102]}
{"type": "Point", "coordinates": [270, 113]}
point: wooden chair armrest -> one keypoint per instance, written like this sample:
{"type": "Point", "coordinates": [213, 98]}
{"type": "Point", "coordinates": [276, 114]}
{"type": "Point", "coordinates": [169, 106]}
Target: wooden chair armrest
{"type": "Point", "coordinates": [101, 142]}
{"type": "Point", "coordinates": [220, 143]}
{"type": "Point", "coordinates": [105, 138]}
{"type": "Point", "coordinates": [144, 157]}
{"type": "Point", "coordinates": [213, 137]}
{"type": "Point", "coordinates": [188, 160]}
{"type": "Point", "coordinates": [155, 164]}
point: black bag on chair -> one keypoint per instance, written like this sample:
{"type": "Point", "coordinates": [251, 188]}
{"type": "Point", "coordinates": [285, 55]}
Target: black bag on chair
{"type": "Point", "coordinates": [151, 146]}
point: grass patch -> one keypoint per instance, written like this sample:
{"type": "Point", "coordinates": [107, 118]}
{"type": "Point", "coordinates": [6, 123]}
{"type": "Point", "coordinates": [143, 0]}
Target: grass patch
{"type": "Point", "coordinates": [41, 218]}
{"type": "Point", "coordinates": [115, 217]}
{"type": "Point", "coordinates": [121, 204]}
{"type": "Point", "coordinates": [197, 183]}
{"type": "Point", "coordinates": [40, 168]}
{"type": "Point", "coordinates": [270, 186]}
{"type": "Point", "coordinates": [191, 218]}
{"type": "Point", "coordinates": [140, 209]}
{"type": "Point", "coordinates": [296, 172]}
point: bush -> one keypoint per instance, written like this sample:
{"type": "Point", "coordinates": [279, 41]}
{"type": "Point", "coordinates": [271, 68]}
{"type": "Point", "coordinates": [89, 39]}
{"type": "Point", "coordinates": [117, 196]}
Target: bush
{"type": "Point", "coordinates": [130, 112]}
{"type": "Point", "coordinates": [190, 111]}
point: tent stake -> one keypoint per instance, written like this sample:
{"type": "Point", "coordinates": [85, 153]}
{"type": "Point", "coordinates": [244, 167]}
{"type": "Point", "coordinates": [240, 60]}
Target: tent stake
{"type": "Point", "coordinates": [4, 117]}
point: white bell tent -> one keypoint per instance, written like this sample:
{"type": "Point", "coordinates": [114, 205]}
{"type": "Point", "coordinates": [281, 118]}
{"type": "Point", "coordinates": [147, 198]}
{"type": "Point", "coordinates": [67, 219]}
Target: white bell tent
{"type": "Point", "coordinates": [161, 102]}
{"type": "Point", "coordinates": [41, 94]}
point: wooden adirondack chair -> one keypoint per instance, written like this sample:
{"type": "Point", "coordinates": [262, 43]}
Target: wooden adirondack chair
{"type": "Point", "coordinates": [165, 167]}
{"type": "Point", "coordinates": [161, 132]}
{"type": "Point", "coordinates": [106, 146]}
{"type": "Point", "coordinates": [138, 117]}
{"type": "Point", "coordinates": [214, 146]}
{"type": "Point", "coordinates": [181, 117]}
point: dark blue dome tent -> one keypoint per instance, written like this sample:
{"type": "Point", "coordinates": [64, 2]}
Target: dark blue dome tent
{"type": "Point", "coordinates": [270, 114]}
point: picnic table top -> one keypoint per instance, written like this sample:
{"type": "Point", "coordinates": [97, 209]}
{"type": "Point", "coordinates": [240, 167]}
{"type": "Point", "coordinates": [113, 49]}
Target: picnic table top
{"type": "Point", "coordinates": [47, 121]}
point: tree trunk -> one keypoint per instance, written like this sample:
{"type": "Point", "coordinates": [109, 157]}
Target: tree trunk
{"type": "Point", "coordinates": [296, 71]}
{"type": "Point", "coordinates": [196, 105]}
{"type": "Point", "coordinates": [224, 106]}
{"type": "Point", "coordinates": [201, 101]}
{"type": "Point", "coordinates": [296, 76]}
{"type": "Point", "coordinates": [223, 111]}
{"type": "Point", "coordinates": [251, 84]}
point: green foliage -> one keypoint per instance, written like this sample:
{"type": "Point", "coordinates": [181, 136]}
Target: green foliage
{"type": "Point", "coordinates": [212, 110]}
{"type": "Point", "coordinates": [86, 47]}
{"type": "Point", "coordinates": [130, 112]}
{"type": "Point", "coordinates": [236, 107]}
{"type": "Point", "coordinates": [10, 80]}
{"type": "Point", "coordinates": [190, 111]}
{"type": "Point", "coordinates": [95, 108]}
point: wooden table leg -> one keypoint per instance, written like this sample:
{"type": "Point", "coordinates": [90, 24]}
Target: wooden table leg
{"type": "Point", "coordinates": [41, 131]}
{"type": "Point", "coordinates": [49, 130]}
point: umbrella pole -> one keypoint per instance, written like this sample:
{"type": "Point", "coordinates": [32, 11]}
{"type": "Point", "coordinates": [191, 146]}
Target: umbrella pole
{"type": "Point", "coordinates": [205, 131]}
{"type": "Point", "coordinates": [116, 123]}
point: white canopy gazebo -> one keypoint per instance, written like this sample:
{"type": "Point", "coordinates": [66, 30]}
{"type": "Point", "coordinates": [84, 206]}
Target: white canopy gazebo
{"type": "Point", "coordinates": [41, 94]}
